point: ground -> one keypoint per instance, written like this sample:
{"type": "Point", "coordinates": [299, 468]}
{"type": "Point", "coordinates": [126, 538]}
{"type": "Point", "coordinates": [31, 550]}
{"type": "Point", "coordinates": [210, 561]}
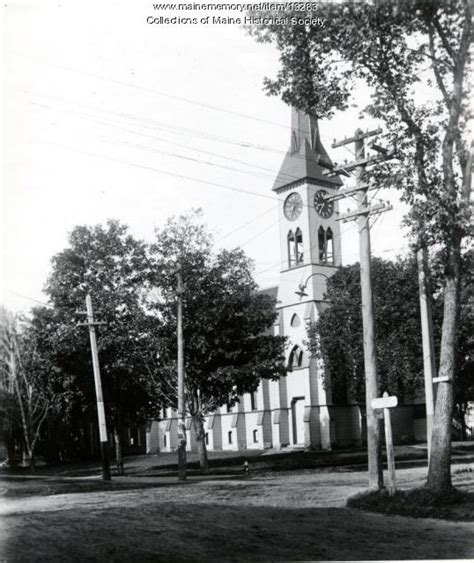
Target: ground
{"type": "Point", "coordinates": [271, 515]}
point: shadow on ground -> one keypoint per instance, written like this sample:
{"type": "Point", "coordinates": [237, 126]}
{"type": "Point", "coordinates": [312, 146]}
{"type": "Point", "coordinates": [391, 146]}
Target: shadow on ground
{"type": "Point", "coordinates": [172, 531]}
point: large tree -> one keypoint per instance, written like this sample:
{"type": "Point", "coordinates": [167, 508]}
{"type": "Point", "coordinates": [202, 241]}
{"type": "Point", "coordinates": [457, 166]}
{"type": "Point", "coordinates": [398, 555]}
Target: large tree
{"type": "Point", "coordinates": [29, 394]}
{"type": "Point", "coordinates": [414, 57]}
{"type": "Point", "coordinates": [113, 267]}
{"type": "Point", "coordinates": [228, 342]}
{"type": "Point", "coordinates": [337, 336]}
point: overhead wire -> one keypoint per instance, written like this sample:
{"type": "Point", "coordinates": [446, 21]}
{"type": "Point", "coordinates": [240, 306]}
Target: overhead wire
{"type": "Point", "coordinates": [170, 96]}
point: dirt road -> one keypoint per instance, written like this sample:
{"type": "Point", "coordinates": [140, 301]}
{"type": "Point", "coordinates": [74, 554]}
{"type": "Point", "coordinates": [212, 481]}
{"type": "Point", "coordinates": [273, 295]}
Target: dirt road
{"type": "Point", "coordinates": [299, 516]}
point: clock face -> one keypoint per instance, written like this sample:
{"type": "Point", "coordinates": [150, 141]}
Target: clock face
{"type": "Point", "coordinates": [293, 206]}
{"type": "Point", "coordinates": [323, 207]}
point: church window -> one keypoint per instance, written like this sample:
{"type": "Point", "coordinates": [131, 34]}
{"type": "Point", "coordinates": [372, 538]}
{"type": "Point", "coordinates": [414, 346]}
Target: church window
{"type": "Point", "coordinates": [291, 249]}
{"type": "Point", "coordinates": [206, 438]}
{"type": "Point", "coordinates": [296, 358]}
{"type": "Point", "coordinates": [299, 246]}
{"type": "Point", "coordinates": [326, 245]}
{"type": "Point", "coordinates": [329, 246]}
{"type": "Point", "coordinates": [229, 436]}
{"type": "Point", "coordinates": [295, 248]}
{"type": "Point", "coordinates": [253, 401]}
{"type": "Point", "coordinates": [255, 436]}
{"type": "Point", "coordinates": [295, 320]}
{"type": "Point", "coordinates": [164, 440]}
{"type": "Point", "coordinates": [322, 244]}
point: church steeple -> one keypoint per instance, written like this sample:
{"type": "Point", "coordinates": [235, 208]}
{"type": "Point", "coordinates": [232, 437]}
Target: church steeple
{"type": "Point", "coordinates": [306, 158]}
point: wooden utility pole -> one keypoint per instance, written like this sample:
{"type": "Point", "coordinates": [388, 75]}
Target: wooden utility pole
{"type": "Point", "coordinates": [362, 214]}
{"type": "Point", "coordinates": [181, 387]}
{"type": "Point", "coordinates": [370, 352]}
{"type": "Point", "coordinates": [104, 443]}
{"type": "Point", "coordinates": [429, 363]}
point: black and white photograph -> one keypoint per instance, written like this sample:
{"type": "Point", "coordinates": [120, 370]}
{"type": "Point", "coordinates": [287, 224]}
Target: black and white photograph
{"type": "Point", "coordinates": [237, 294]}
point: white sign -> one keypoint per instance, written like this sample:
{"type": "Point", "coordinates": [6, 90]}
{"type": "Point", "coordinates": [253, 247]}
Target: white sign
{"type": "Point", "coordinates": [440, 379]}
{"type": "Point", "coordinates": [384, 402]}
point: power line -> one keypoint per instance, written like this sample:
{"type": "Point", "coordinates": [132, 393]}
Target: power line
{"type": "Point", "coordinates": [145, 135]}
{"type": "Point", "coordinates": [164, 172]}
{"type": "Point", "coordinates": [152, 124]}
{"type": "Point", "coordinates": [170, 96]}
{"type": "Point", "coordinates": [30, 299]}
{"type": "Point", "coordinates": [245, 224]}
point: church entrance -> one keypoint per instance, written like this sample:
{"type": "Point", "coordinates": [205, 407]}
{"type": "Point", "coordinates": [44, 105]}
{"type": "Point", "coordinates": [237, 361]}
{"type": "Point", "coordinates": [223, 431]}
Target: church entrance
{"type": "Point", "coordinates": [297, 419]}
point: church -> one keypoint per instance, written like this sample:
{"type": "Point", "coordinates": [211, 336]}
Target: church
{"type": "Point", "coordinates": [296, 411]}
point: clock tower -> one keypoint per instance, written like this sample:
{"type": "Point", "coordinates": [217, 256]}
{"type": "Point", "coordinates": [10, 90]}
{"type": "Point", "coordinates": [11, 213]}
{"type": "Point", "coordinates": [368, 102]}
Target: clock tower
{"type": "Point", "coordinates": [310, 248]}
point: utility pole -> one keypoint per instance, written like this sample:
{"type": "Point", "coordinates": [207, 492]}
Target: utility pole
{"type": "Point", "coordinates": [361, 215]}
{"type": "Point", "coordinates": [104, 443]}
{"type": "Point", "coordinates": [181, 392]}
{"type": "Point", "coordinates": [429, 363]}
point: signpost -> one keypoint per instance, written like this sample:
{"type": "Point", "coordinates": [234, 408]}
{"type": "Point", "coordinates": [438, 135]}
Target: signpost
{"type": "Point", "coordinates": [386, 403]}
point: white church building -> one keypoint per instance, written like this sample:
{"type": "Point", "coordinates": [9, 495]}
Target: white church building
{"type": "Point", "coordinates": [297, 410]}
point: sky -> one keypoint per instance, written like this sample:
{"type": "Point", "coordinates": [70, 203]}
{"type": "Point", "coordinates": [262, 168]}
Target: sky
{"type": "Point", "coordinates": [107, 116]}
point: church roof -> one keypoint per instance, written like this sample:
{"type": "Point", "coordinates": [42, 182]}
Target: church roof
{"type": "Point", "coordinates": [270, 291]}
{"type": "Point", "coordinates": [306, 157]}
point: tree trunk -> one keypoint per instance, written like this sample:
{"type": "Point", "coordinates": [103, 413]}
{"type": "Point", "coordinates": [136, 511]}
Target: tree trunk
{"type": "Point", "coordinates": [11, 451]}
{"type": "Point", "coordinates": [118, 449]}
{"type": "Point", "coordinates": [198, 424]}
{"type": "Point", "coordinates": [32, 463]}
{"type": "Point", "coordinates": [439, 473]}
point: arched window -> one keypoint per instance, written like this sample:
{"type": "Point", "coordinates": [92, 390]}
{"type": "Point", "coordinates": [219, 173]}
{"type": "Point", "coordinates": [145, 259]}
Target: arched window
{"type": "Point", "coordinates": [326, 245]}
{"type": "Point", "coordinates": [299, 246]}
{"type": "Point", "coordinates": [295, 320]}
{"type": "Point", "coordinates": [296, 358]}
{"type": "Point", "coordinates": [291, 249]}
{"type": "Point", "coordinates": [322, 244]}
{"type": "Point", "coordinates": [329, 246]}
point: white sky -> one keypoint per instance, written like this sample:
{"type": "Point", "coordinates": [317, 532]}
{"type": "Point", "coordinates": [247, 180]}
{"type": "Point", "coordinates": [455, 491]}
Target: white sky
{"type": "Point", "coordinates": [90, 107]}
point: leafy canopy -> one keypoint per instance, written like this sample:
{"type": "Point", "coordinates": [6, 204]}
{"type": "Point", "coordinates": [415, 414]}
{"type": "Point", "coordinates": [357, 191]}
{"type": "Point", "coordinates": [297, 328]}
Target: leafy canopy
{"type": "Point", "coordinates": [338, 334]}
{"type": "Point", "coordinates": [228, 341]}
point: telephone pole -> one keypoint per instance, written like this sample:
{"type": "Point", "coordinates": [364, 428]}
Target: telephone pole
{"type": "Point", "coordinates": [104, 443]}
{"type": "Point", "coordinates": [181, 388]}
{"type": "Point", "coordinates": [361, 215]}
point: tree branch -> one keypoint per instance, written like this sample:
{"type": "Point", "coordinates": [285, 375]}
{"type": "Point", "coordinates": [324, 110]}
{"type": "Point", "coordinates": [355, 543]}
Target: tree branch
{"type": "Point", "coordinates": [444, 40]}
{"type": "Point", "coordinates": [439, 78]}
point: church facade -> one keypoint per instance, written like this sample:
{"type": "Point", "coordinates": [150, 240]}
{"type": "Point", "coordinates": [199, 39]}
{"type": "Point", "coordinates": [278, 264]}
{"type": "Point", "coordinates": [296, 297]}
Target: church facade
{"type": "Point", "coordinates": [297, 410]}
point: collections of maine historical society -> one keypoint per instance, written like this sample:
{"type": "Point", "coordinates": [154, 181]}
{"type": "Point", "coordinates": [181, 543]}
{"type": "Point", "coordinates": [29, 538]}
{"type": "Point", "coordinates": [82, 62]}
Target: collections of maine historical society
{"type": "Point", "coordinates": [278, 17]}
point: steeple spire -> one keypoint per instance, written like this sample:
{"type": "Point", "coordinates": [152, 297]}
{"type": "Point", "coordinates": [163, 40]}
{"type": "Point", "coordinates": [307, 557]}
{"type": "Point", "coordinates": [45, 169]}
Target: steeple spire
{"type": "Point", "coordinates": [306, 158]}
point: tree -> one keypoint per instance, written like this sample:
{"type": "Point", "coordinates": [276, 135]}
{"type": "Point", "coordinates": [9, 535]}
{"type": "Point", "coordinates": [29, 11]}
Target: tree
{"type": "Point", "coordinates": [389, 46]}
{"type": "Point", "coordinates": [464, 383]}
{"type": "Point", "coordinates": [9, 412]}
{"type": "Point", "coordinates": [337, 336]}
{"type": "Point", "coordinates": [228, 345]}
{"type": "Point", "coordinates": [28, 392]}
{"type": "Point", "coordinates": [113, 267]}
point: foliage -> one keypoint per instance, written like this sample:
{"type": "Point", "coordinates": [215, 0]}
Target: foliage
{"type": "Point", "coordinates": [113, 267]}
{"type": "Point", "coordinates": [338, 335]}
{"type": "Point", "coordinates": [464, 382]}
{"type": "Point", "coordinates": [389, 46]}
{"type": "Point", "coordinates": [226, 349]}
{"type": "Point", "coordinates": [28, 391]}
{"type": "Point", "coordinates": [413, 56]}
